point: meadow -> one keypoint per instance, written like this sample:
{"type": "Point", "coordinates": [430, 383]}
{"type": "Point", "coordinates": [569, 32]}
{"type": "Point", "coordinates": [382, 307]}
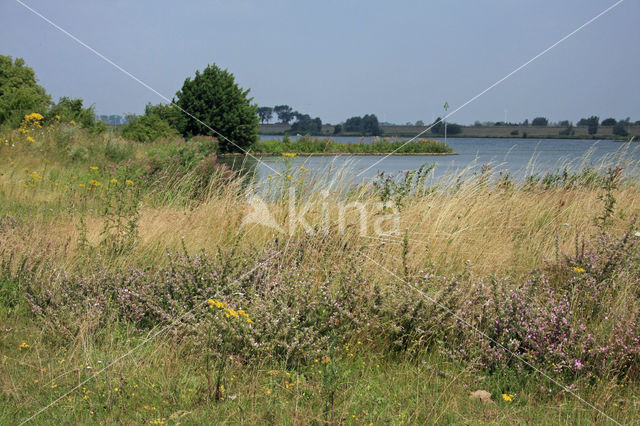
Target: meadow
{"type": "Point", "coordinates": [133, 290]}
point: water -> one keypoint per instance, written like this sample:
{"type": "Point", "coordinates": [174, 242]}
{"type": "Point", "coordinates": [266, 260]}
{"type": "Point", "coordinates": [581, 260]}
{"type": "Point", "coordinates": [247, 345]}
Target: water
{"type": "Point", "coordinates": [520, 157]}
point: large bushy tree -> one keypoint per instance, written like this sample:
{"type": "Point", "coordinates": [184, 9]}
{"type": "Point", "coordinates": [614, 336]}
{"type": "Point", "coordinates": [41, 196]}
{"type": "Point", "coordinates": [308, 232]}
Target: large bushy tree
{"type": "Point", "coordinates": [214, 98]}
{"type": "Point", "coordinates": [20, 93]}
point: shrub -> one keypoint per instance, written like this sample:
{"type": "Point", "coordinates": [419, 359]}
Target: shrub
{"type": "Point", "coordinates": [147, 128]}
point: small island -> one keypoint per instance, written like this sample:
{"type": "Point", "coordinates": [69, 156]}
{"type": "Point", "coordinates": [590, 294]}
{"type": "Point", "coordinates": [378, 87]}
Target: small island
{"type": "Point", "coordinates": [327, 146]}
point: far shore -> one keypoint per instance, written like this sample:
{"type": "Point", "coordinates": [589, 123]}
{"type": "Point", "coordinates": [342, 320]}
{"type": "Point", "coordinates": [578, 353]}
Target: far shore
{"type": "Point", "coordinates": [336, 154]}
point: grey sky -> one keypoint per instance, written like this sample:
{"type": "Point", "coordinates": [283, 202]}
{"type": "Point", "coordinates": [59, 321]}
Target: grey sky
{"type": "Point", "coordinates": [334, 59]}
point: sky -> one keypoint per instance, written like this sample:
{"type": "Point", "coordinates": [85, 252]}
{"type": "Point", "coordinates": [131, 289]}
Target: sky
{"type": "Point", "coordinates": [400, 60]}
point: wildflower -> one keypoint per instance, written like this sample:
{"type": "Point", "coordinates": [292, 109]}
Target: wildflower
{"type": "Point", "coordinates": [289, 154]}
{"type": "Point", "coordinates": [128, 182]}
{"type": "Point", "coordinates": [215, 303]}
{"type": "Point", "coordinates": [73, 122]}
{"type": "Point", "coordinates": [30, 139]}
{"type": "Point", "coordinates": [94, 168]}
{"type": "Point", "coordinates": [57, 117]}
{"type": "Point", "coordinates": [24, 345]}
{"type": "Point", "coordinates": [114, 181]}
{"type": "Point", "coordinates": [579, 270]}
{"type": "Point", "coordinates": [508, 397]}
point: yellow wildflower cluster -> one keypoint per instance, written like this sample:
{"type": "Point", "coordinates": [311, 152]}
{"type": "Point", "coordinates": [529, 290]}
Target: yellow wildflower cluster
{"type": "Point", "coordinates": [508, 397]}
{"type": "Point", "coordinates": [228, 312]}
{"type": "Point", "coordinates": [94, 184]}
{"type": "Point", "coordinates": [289, 154]}
{"type": "Point", "coordinates": [24, 345]}
{"type": "Point", "coordinates": [579, 270]}
{"type": "Point", "coordinates": [32, 120]}
{"type": "Point", "coordinates": [128, 182]}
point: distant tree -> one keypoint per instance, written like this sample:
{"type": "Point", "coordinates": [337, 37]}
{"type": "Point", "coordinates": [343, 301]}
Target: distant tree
{"type": "Point", "coordinates": [438, 128]}
{"type": "Point", "coordinates": [525, 122]}
{"type": "Point", "coordinates": [214, 98]}
{"type": "Point", "coordinates": [609, 122]}
{"type": "Point", "coordinates": [367, 125]}
{"type": "Point", "coordinates": [420, 123]}
{"type": "Point", "coordinates": [353, 124]}
{"type": "Point", "coordinates": [477, 123]}
{"type": "Point", "coordinates": [265, 114]}
{"type": "Point", "coordinates": [591, 122]}
{"type": "Point", "coordinates": [20, 93]}
{"type": "Point", "coordinates": [637, 123]}
{"type": "Point", "coordinates": [304, 124]}
{"type": "Point", "coordinates": [284, 112]}
{"type": "Point", "coordinates": [620, 128]}
{"type": "Point", "coordinates": [337, 129]}
{"type": "Point", "coordinates": [370, 125]}
{"type": "Point", "coordinates": [539, 121]}
{"type": "Point", "coordinates": [568, 131]}
{"type": "Point", "coordinates": [564, 123]}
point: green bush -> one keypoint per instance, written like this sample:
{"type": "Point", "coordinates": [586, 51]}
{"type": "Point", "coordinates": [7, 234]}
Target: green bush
{"type": "Point", "coordinates": [67, 110]}
{"type": "Point", "coordinates": [147, 128]}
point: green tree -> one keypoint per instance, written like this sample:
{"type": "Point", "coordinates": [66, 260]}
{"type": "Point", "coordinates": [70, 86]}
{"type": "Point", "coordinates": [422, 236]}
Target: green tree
{"type": "Point", "coordinates": [285, 113]}
{"type": "Point", "coordinates": [620, 128]}
{"type": "Point", "coordinates": [539, 121]}
{"type": "Point", "coordinates": [217, 102]}
{"type": "Point", "coordinates": [591, 123]}
{"type": "Point", "coordinates": [20, 93]}
{"type": "Point", "coordinates": [167, 112]}
{"type": "Point", "coordinates": [609, 122]}
{"type": "Point", "coordinates": [305, 124]}
{"type": "Point", "coordinates": [265, 114]}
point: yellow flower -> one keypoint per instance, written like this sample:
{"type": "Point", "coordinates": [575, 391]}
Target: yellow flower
{"type": "Point", "coordinates": [215, 303]}
{"type": "Point", "coordinates": [114, 181]}
{"type": "Point", "coordinates": [579, 270]}
{"type": "Point", "coordinates": [24, 345]}
{"type": "Point", "coordinates": [94, 183]}
{"type": "Point", "coordinates": [289, 154]}
{"type": "Point", "coordinates": [128, 182]}
{"type": "Point", "coordinates": [58, 117]}
{"type": "Point", "coordinates": [508, 397]}
{"type": "Point", "coordinates": [73, 122]}
{"type": "Point", "coordinates": [94, 168]}
{"type": "Point", "coordinates": [30, 139]}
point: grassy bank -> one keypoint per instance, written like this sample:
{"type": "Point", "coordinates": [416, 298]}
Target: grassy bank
{"type": "Point", "coordinates": [308, 145]}
{"type": "Point", "coordinates": [133, 289]}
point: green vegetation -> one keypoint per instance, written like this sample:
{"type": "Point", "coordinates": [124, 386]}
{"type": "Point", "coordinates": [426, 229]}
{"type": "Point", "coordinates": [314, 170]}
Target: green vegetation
{"type": "Point", "coordinates": [308, 145]}
{"type": "Point", "coordinates": [20, 93]}
{"type": "Point", "coordinates": [216, 102]}
{"type": "Point", "coordinates": [132, 290]}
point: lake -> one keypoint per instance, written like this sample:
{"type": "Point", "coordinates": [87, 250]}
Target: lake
{"type": "Point", "coordinates": [520, 157]}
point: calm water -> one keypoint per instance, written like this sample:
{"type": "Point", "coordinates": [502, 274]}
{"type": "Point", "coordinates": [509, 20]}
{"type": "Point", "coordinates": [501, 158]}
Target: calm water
{"type": "Point", "coordinates": [520, 157]}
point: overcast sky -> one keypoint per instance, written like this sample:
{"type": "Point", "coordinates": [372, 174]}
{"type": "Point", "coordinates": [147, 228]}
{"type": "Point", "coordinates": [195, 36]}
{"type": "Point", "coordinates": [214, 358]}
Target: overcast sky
{"type": "Point", "coordinates": [400, 60]}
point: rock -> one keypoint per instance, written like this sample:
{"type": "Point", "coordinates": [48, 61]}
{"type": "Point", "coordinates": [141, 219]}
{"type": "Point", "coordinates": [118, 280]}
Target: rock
{"type": "Point", "coordinates": [480, 395]}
